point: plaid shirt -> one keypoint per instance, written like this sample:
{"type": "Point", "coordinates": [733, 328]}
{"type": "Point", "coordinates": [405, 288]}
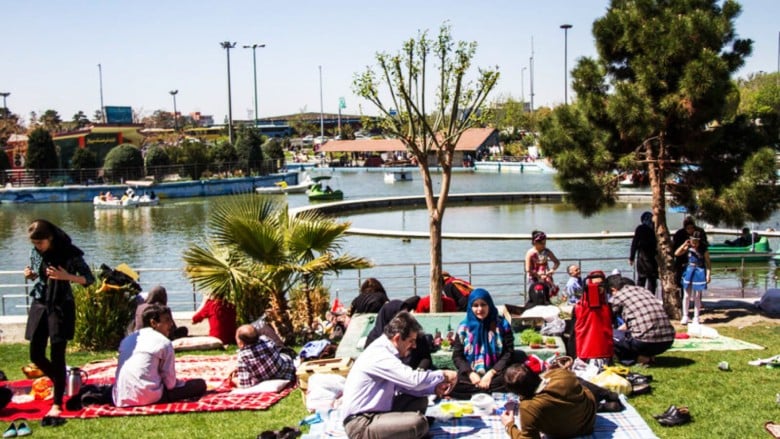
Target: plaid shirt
{"type": "Point", "coordinates": [643, 313]}
{"type": "Point", "coordinates": [263, 361]}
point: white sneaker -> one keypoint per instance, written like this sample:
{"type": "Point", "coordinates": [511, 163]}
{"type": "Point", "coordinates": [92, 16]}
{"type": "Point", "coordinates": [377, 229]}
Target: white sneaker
{"type": "Point", "coordinates": [684, 321]}
{"type": "Point", "coordinates": [695, 321]}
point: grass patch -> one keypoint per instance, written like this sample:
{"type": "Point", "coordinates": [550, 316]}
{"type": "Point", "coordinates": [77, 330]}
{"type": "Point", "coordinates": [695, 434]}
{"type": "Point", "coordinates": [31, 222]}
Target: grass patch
{"type": "Point", "coordinates": [723, 404]}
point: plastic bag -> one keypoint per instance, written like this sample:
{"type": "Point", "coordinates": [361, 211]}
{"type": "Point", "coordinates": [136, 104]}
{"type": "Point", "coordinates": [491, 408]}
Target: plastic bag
{"type": "Point", "coordinates": [612, 381]}
{"type": "Point", "coordinates": [323, 391]}
{"type": "Point", "coordinates": [554, 327]}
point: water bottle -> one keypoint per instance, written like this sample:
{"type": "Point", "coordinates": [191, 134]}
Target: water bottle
{"type": "Point", "coordinates": [75, 378]}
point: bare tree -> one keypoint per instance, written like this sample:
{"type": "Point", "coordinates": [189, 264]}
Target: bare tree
{"type": "Point", "coordinates": [429, 131]}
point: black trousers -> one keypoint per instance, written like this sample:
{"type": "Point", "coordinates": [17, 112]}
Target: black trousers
{"type": "Point", "coordinates": [54, 368]}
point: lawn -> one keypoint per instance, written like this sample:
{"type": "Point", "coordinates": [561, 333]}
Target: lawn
{"type": "Point", "coordinates": [733, 404]}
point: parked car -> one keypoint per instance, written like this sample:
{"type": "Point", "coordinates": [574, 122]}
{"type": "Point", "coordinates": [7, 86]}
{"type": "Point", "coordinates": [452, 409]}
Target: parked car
{"type": "Point", "coordinates": [308, 140]}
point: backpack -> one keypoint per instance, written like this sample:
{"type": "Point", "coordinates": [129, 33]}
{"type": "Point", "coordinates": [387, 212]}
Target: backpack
{"type": "Point", "coordinates": [458, 290]}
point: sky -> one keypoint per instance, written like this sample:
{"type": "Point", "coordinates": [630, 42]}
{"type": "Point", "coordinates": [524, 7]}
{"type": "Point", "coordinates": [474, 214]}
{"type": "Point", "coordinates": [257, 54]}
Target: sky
{"type": "Point", "coordinates": [145, 49]}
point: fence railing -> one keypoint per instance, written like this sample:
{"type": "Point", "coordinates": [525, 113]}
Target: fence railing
{"type": "Point", "coordinates": [505, 279]}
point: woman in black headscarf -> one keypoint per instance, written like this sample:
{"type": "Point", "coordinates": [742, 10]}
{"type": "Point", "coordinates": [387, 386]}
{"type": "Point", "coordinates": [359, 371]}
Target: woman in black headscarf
{"type": "Point", "coordinates": [54, 263]}
{"type": "Point", "coordinates": [420, 356]}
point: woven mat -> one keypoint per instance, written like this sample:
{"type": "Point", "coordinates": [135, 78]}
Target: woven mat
{"type": "Point", "coordinates": [720, 343]}
{"type": "Point", "coordinates": [213, 369]}
{"type": "Point", "coordinates": [627, 424]}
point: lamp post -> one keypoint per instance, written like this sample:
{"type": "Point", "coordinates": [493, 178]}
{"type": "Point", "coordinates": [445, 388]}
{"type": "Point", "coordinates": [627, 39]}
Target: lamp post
{"type": "Point", "coordinates": [522, 86]}
{"type": "Point", "coordinates": [322, 120]}
{"type": "Point", "coordinates": [566, 28]}
{"type": "Point", "coordinates": [5, 95]}
{"type": "Point", "coordinates": [254, 67]}
{"type": "Point", "coordinates": [102, 108]}
{"type": "Point", "coordinates": [173, 93]}
{"type": "Point", "coordinates": [227, 45]}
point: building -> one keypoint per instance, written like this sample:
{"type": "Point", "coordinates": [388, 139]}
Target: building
{"type": "Point", "coordinates": [473, 143]}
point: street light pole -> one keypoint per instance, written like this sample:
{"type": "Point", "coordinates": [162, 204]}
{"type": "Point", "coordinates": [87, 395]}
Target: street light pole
{"type": "Point", "coordinates": [522, 86]}
{"type": "Point", "coordinates": [227, 45]}
{"type": "Point", "coordinates": [322, 120]}
{"type": "Point", "coordinates": [5, 95]}
{"type": "Point", "coordinates": [173, 93]}
{"type": "Point", "coordinates": [254, 67]}
{"type": "Point", "coordinates": [102, 108]}
{"type": "Point", "coordinates": [566, 28]}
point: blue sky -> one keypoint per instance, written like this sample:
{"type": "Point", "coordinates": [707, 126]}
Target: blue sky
{"type": "Point", "coordinates": [147, 48]}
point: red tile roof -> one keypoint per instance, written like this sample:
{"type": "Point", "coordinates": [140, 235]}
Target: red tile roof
{"type": "Point", "coordinates": [470, 140]}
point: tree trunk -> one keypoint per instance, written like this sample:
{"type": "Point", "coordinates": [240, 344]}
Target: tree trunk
{"type": "Point", "coordinates": [279, 315]}
{"type": "Point", "coordinates": [434, 229]}
{"type": "Point", "coordinates": [666, 270]}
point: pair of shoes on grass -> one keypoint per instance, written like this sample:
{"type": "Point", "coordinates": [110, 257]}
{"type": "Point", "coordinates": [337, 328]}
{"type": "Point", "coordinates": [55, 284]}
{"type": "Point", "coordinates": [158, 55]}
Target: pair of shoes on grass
{"type": "Point", "coordinates": [20, 430]}
{"type": "Point", "coordinates": [772, 428]}
{"type": "Point", "coordinates": [284, 433]}
{"type": "Point", "coordinates": [674, 416]}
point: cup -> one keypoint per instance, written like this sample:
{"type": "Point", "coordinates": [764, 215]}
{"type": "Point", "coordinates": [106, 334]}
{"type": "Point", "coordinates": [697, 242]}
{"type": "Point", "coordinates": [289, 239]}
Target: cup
{"type": "Point", "coordinates": [724, 366]}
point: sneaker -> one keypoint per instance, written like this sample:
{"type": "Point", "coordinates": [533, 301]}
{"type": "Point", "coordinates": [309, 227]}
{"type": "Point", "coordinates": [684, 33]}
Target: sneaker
{"type": "Point", "coordinates": [684, 321]}
{"type": "Point", "coordinates": [10, 431]}
{"type": "Point", "coordinates": [23, 429]}
{"type": "Point", "coordinates": [695, 320]}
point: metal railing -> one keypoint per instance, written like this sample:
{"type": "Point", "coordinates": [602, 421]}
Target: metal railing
{"type": "Point", "coordinates": [505, 279]}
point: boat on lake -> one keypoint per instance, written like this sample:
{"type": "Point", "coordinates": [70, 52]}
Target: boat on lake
{"type": "Point", "coordinates": [320, 190]}
{"type": "Point", "coordinates": [759, 251]}
{"type": "Point", "coordinates": [281, 187]}
{"type": "Point", "coordinates": [129, 200]}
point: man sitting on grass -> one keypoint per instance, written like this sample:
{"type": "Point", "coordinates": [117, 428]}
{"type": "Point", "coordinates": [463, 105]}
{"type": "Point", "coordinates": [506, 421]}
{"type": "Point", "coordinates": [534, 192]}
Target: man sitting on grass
{"type": "Point", "coordinates": [146, 372]}
{"type": "Point", "coordinates": [260, 359]}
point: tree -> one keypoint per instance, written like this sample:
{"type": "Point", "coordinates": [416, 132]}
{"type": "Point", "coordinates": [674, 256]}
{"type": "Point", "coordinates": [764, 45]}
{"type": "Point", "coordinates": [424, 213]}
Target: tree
{"type": "Point", "coordinates": [41, 155]}
{"type": "Point", "coordinates": [273, 152]}
{"type": "Point", "coordinates": [84, 163]}
{"type": "Point", "coordinates": [156, 162]}
{"type": "Point", "coordinates": [257, 253]}
{"type": "Point", "coordinates": [429, 131]}
{"type": "Point", "coordinates": [193, 157]}
{"type": "Point", "coordinates": [222, 156]}
{"type": "Point", "coordinates": [124, 162]}
{"type": "Point", "coordinates": [159, 119]}
{"type": "Point", "coordinates": [249, 149]}
{"type": "Point", "coordinates": [759, 97]}
{"type": "Point", "coordinates": [52, 121]}
{"type": "Point", "coordinates": [657, 99]}
{"type": "Point", "coordinates": [80, 119]}
{"type": "Point", "coordinates": [5, 164]}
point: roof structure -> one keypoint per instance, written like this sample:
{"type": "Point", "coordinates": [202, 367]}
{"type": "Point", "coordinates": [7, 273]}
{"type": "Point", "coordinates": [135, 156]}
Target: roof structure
{"type": "Point", "coordinates": [470, 140]}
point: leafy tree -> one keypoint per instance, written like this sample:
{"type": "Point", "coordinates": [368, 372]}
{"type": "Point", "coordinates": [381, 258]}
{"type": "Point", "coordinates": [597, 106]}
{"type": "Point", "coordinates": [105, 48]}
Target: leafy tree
{"type": "Point", "coordinates": [759, 98]}
{"type": "Point", "coordinates": [273, 152]}
{"type": "Point", "coordinates": [84, 163]}
{"type": "Point", "coordinates": [222, 156]}
{"type": "Point", "coordinates": [429, 131]}
{"type": "Point", "coordinates": [159, 119]}
{"type": "Point", "coordinates": [9, 125]}
{"type": "Point", "coordinates": [41, 154]}
{"type": "Point", "coordinates": [52, 121]}
{"type": "Point", "coordinates": [657, 99]}
{"type": "Point", "coordinates": [157, 162]}
{"type": "Point", "coordinates": [511, 118]}
{"type": "Point", "coordinates": [249, 149]}
{"type": "Point", "coordinates": [303, 126]}
{"type": "Point", "coordinates": [80, 119]}
{"type": "Point", "coordinates": [124, 162]}
{"type": "Point", "coordinates": [257, 253]}
{"type": "Point", "coordinates": [193, 158]}
{"type": "Point", "coordinates": [98, 116]}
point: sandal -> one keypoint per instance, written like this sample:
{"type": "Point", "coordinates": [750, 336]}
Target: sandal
{"type": "Point", "coordinates": [773, 429]}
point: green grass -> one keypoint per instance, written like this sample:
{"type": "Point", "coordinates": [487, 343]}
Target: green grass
{"type": "Point", "coordinates": [732, 404]}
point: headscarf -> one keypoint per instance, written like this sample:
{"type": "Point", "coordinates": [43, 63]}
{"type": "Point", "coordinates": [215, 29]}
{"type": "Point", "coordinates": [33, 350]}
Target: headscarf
{"type": "Point", "coordinates": [158, 294]}
{"type": "Point", "coordinates": [383, 317]}
{"type": "Point", "coordinates": [482, 343]}
{"type": "Point", "coordinates": [647, 219]}
{"type": "Point", "coordinates": [61, 249]}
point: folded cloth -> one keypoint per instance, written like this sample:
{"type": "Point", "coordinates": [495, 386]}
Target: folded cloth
{"type": "Point", "coordinates": [764, 361]}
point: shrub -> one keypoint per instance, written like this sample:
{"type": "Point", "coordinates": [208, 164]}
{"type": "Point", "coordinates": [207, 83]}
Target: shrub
{"type": "Point", "coordinates": [124, 162]}
{"type": "Point", "coordinates": [157, 162]}
{"type": "Point", "coordinates": [102, 318]}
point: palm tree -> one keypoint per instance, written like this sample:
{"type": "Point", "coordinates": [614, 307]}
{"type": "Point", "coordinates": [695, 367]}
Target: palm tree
{"type": "Point", "coordinates": [257, 253]}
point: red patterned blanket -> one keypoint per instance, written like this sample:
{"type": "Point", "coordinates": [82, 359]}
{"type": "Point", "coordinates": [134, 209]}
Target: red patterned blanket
{"type": "Point", "coordinates": [213, 369]}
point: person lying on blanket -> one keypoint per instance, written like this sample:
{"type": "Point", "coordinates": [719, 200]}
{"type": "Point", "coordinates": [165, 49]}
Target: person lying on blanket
{"type": "Point", "coordinates": [146, 372]}
{"type": "Point", "coordinates": [260, 359]}
{"type": "Point", "coordinates": [548, 397]}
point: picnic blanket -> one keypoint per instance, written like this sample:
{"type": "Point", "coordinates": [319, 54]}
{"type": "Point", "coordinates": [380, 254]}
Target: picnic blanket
{"type": "Point", "coordinates": [213, 369]}
{"type": "Point", "coordinates": [719, 343]}
{"type": "Point", "coordinates": [627, 424]}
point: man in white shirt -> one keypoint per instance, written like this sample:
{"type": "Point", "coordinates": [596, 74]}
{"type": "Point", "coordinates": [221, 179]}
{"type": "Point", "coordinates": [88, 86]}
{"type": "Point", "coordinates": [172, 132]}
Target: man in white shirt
{"type": "Point", "coordinates": [146, 372]}
{"type": "Point", "coordinates": [385, 398]}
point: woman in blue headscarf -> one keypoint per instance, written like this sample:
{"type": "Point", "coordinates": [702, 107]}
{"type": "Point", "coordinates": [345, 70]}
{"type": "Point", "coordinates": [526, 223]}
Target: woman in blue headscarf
{"type": "Point", "coordinates": [482, 348]}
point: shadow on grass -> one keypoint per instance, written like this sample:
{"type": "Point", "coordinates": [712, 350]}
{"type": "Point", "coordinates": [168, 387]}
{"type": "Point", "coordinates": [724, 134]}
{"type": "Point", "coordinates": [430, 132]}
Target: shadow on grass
{"type": "Point", "coordinates": [670, 362]}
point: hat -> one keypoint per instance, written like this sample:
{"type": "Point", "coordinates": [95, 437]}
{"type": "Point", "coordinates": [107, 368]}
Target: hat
{"type": "Point", "coordinates": [646, 216]}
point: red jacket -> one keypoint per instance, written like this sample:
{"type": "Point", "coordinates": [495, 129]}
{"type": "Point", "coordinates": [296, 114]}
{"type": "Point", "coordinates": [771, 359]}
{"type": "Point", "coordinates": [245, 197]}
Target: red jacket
{"type": "Point", "coordinates": [424, 305]}
{"type": "Point", "coordinates": [222, 319]}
